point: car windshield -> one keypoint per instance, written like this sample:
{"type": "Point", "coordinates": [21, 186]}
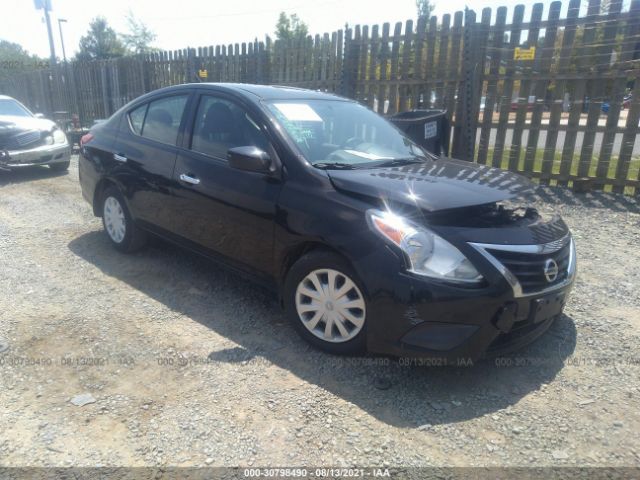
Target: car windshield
{"type": "Point", "coordinates": [13, 108]}
{"type": "Point", "coordinates": [341, 134]}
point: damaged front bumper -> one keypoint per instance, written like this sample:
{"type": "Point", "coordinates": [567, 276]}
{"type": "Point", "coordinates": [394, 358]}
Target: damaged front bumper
{"type": "Point", "coordinates": [43, 155]}
{"type": "Point", "coordinates": [453, 325]}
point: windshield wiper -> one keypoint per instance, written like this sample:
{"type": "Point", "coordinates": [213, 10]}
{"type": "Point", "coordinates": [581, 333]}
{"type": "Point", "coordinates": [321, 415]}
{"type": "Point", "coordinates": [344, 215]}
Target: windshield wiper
{"type": "Point", "coordinates": [334, 166]}
{"type": "Point", "coordinates": [395, 162]}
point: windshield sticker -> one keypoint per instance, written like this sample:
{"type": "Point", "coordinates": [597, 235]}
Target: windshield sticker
{"type": "Point", "coordinates": [298, 112]}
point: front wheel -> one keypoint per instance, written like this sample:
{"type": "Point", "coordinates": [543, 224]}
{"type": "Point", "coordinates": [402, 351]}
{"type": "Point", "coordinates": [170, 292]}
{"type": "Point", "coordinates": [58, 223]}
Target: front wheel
{"type": "Point", "coordinates": [123, 233]}
{"type": "Point", "coordinates": [325, 302]}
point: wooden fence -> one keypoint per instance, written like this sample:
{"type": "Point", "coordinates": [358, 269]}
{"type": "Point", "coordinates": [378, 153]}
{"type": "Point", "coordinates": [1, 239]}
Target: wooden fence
{"type": "Point", "coordinates": [546, 96]}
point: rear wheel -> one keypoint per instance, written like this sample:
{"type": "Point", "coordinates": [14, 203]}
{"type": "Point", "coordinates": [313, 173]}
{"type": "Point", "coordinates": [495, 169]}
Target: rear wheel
{"type": "Point", "coordinates": [325, 303]}
{"type": "Point", "coordinates": [60, 167]}
{"type": "Point", "coordinates": [123, 233]}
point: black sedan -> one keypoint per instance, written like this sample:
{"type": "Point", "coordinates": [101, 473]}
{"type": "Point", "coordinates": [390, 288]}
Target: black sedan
{"type": "Point", "coordinates": [369, 241]}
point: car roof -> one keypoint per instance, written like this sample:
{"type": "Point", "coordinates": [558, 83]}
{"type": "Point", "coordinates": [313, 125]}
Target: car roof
{"type": "Point", "coordinates": [6, 97]}
{"type": "Point", "coordinates": [278, 92]}
{"type": "Point", "coordinates": [257, 92]}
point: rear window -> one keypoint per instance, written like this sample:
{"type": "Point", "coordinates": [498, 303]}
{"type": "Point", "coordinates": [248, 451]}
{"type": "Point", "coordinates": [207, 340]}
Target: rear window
{"type": "Point", "coordinates": [136, 117]}
{"type": "Point", "coordinates": [159, 120]}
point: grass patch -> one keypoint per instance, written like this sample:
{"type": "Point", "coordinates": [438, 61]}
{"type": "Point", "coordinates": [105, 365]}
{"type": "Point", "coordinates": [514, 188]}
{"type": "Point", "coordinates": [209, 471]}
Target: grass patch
{"type": "Point", "coordinates": [633, 173]}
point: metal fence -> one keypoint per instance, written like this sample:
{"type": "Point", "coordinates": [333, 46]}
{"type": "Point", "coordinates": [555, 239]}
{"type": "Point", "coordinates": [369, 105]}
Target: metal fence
{"type": "Point", "coordinates": [549, 97]}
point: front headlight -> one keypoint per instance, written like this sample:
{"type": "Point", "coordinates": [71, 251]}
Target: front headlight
{"type": "Point", "coordinates": [428, 254]}
{"type": "Point", "coordinates": [59, 136]}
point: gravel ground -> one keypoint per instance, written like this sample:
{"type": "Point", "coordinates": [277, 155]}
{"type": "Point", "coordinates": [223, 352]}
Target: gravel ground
{"type": "Point", "coordinates": [187, 365]}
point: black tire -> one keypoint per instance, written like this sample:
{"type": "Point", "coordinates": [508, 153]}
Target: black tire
{"type": "Point", "coordinates": [134, 237]}
{"type": "Point", "coordinates": [60, 167]}
{"type": "Point", "coordinates": [309, 262]}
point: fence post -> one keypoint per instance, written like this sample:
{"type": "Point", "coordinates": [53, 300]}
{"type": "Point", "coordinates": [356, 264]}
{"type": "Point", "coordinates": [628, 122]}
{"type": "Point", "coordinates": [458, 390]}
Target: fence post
{"type": "Point", "coordinates": [143, 82]}
{"type": "Point", "coordinates": [192, 72]}
{"type": "Point", "coordinates": [71, 75]}
{"type": "Point", "coordinates": [348, 74]}
{"type": "Point", "coordinates": [105, 89]}
{"type": "Point", "coordinates": [267, 58]}
{"type": "Point", "coordinates": [464, 138]}
{"type": "Point", "coordinates": [45, 90]}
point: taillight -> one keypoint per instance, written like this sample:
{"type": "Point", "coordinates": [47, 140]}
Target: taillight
{"type": "Point", "coordinates": [85, 139]}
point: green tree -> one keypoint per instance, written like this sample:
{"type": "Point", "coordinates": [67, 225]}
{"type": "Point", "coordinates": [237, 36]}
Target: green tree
{"type": "Point", "coordinates": [139, 37]}
{"type": "Point", "coordinates": [15, 59]}
{"type": "Point", "coordinates": [290, 27]}
{"type": "Point", "coordinates": [100, 42]}
{"type": "Point", "coordinates": [425, 8]}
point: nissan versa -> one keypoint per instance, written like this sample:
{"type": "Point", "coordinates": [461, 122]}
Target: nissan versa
{"type": "Point", "coordinates": [371, 242]}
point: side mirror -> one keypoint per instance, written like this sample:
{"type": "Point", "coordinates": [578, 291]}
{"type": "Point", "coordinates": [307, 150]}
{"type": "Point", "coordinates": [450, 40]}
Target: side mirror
{"type": "Point", "coordinates": [39, 115]}
{"type": "Point", "coordinates": [251, 159]}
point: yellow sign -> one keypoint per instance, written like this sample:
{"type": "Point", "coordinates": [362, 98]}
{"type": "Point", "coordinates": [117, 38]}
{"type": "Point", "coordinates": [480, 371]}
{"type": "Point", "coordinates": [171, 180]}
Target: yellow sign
{"type": "Point", "coordinates": [524, 53]}
{"type": "Point", "coordinates": [203, 74]}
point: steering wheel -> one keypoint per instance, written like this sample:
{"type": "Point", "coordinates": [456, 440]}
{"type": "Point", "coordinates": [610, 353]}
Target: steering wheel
{"type": "Point", "coordinates": [353, 142]}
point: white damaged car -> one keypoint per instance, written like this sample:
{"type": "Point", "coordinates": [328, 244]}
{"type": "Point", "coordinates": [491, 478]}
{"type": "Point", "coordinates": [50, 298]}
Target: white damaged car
{"type": "Point", "coordinates": [27, 140]}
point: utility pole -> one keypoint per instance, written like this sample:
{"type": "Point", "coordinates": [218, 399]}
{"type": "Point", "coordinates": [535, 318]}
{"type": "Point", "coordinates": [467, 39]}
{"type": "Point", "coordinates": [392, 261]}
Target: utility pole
{"type": "Point", "coordinates": [60, 22]}
{"type": "Point", "coordinates": [46, 6]}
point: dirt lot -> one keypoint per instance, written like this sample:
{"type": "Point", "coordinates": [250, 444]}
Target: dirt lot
{"type": "Point", "coordinates": [190, 365]}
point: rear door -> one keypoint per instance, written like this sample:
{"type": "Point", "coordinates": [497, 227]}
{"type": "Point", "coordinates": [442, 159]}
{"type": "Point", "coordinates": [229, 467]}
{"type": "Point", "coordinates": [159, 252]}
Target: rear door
{"type": "Point", "coordinates": [227, 211]}
{"type": "Point", "coordinates": [146, 151]}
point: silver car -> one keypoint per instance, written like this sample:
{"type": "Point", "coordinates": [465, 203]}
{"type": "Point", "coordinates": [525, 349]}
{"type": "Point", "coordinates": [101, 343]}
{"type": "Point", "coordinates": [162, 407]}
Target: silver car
{"type": "Point", "coordinates": [27, 140]}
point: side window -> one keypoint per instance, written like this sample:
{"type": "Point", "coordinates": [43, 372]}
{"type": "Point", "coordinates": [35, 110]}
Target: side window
{"type": "Point", "coordinates": [221, 125]}
{"type": "Point", "coordinates": [136, 117]}
{"type": "Point", "coordinates": [163, 119]}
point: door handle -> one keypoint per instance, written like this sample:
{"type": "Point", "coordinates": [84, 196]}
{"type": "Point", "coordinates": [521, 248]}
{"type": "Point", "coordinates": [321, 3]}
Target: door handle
{"type": "Point", "coordinates": [119, 158]}
{"type": "Point", "coordinates": [189, 179]}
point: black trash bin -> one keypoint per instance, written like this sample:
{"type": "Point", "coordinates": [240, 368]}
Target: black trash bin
{"type": "Point", "coordinates": [428, 128]}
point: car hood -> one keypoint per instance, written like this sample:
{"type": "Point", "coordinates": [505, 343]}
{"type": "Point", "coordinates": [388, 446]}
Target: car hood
{"type": "Point", "coordinates": [11, 124]}
{"type": "Point", "coordinates": [433, 185]}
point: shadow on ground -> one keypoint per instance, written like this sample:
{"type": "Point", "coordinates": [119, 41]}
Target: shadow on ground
{"type": "Point", "coordinates": [393, 391]}
{"type": "Point", "coordinates": [28, 174]}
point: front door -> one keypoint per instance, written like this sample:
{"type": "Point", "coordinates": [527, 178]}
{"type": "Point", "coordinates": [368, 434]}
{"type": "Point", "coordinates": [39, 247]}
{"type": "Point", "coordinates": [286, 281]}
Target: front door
{"type": "Point", "coordinates": [228, 211]}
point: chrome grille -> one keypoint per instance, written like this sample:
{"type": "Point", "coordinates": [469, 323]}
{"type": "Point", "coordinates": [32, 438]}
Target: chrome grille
{"type": "Point", "coordinates": [22, 141]}
{"type": "Point", "coordinates": [525, 266]}
{"type": "Point", "coordinates": [529, 268]}
{"type": "Point", "coordinates": [27, 138]}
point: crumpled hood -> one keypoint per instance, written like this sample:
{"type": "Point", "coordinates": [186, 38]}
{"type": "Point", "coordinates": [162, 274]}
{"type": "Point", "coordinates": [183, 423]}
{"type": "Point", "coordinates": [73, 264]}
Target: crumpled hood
{"type": "Point", "coordinates": [434, 185]}
{"type": "Point", "coordinates": [12, 124]}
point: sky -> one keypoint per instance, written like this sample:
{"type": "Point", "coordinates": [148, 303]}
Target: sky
{"type": "Point", "coordinates": [193, 23]}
